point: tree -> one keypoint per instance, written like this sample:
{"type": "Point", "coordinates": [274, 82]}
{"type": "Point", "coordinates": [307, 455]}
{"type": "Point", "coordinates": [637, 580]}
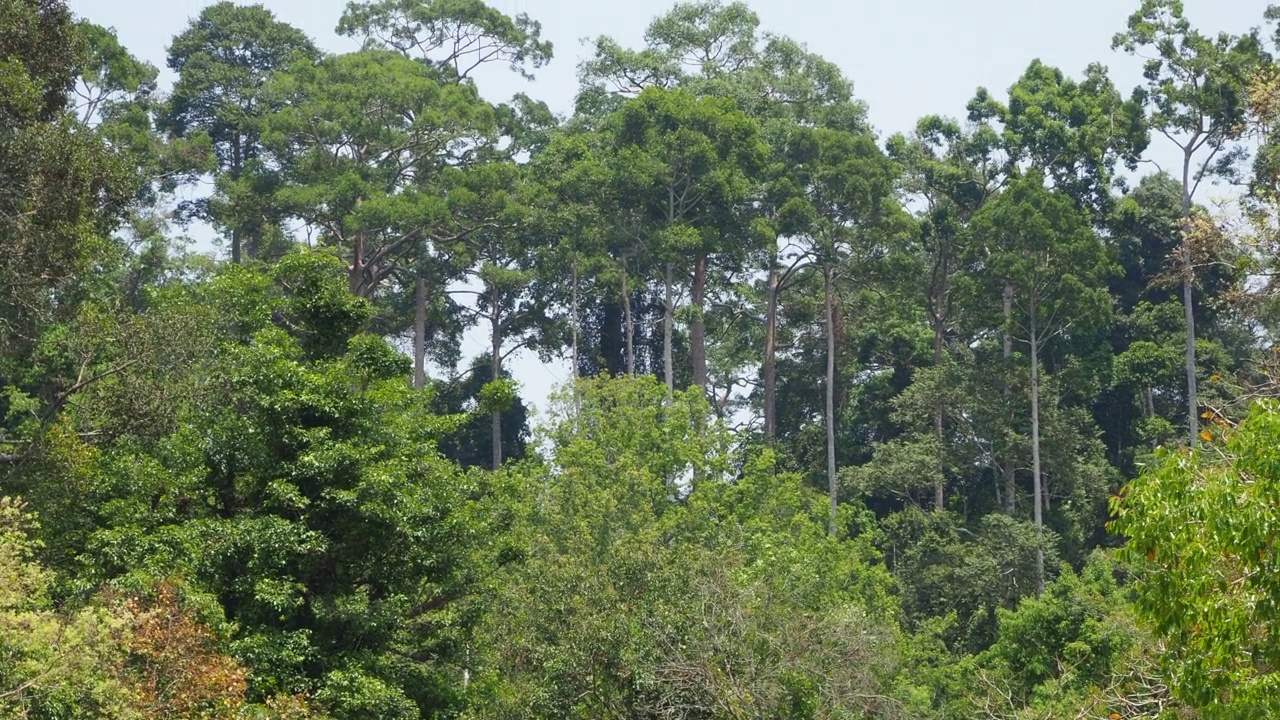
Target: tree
{"type": "Point", "coordinates": [224, 59]}
{"type": "Point", "coordinates": [372, 147]}
{"type": "Point", "coordinates": [653, 585]}
{"type": "Point", "coordinates": [473, 395]}
{"type": "Point", "coordinates": [1197, 91]}
{"type": "Point", "coordinates": [683, 164]}
{"type": "Point", "coordinates": [509, 298]}
{"type": "Point", "coordinates": [110, 76]}
{"type": "Point", "coordinates": [62, 192]}
{"type": "Point", "coordinates": [301, 500]}
{"type": "Point", "coordinates": [1197, 524]}
{"type": "Point", "coordinates": [55, 664]}
{"type": "Point", "coordinates": [848, 200]}
{"type": "Point", "coordinates": [1043, 247]}
{"type": "Point", "coordinates": [954, 173]}
{"type": "Point", "coordinates": [1146, 232]}
{"type": "Point", "coordinates": [453, 39]}
{"type": "Point", "coordinates": [1075, 133]}
{"type": "Point", "coordinates": [454, 36]}
{"type": "Point", "coordinates": [715, 49]}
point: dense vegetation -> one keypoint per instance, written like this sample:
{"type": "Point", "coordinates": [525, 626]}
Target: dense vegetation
{"type": "Point", "coordinates": [976, 421]}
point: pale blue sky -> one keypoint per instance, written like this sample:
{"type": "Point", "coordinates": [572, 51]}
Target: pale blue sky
{"type": "Point", "coordinates": [906, 58]}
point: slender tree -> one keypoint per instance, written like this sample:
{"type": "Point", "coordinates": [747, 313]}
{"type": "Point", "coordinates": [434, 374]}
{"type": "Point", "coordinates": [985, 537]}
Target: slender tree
{"type": "Point", "coordinates": [954, 173]}
{"type": "Point", "coordinates": [1196, 89]}
{"type": "Point", "coordinates": [1045, 249]}
{"type": "Point", "coordinates": [454, 38]}
{"type": "Point", "coordinates": [848, 187]}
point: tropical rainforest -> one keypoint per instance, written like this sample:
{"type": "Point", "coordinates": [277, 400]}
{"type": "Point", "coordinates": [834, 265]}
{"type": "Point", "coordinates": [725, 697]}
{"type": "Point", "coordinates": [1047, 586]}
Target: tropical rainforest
{"type": "Point", "coordinates": [973, 421]}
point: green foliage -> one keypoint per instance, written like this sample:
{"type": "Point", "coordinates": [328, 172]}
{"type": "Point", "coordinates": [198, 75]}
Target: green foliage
{"type": "Point", "coordinates": [945, 569]}
{"type": "Point", "coordinates": [469, 442]}
{"type": "Point", "coordinates": [1198, 530]}
{"type": "Point", "coordinates": [222, 61]}
{"type": "Point", "coordinates": [53, 664]}
{"type": "Point", "coordinates": [1076, 132]}
{"type": "Point", "coordinates": [455, 35]}
{"type": "Point", "coordinates": [497, 396]}
{"type": "Point", "coordinates": [63, 192]}
{"type": "Point", "coordinates": [1196, 84]}
{"type": "Point", "coordinates": [655, 582]}
{"type": "Point", "coordinates": [301, 501]}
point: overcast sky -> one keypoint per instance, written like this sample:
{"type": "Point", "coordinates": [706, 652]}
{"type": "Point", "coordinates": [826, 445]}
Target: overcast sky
{"type": "Point", "coordinates": [907, 58]}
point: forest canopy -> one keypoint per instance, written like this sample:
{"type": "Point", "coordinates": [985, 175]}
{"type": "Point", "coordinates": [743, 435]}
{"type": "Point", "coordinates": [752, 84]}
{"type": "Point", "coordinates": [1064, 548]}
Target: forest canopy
{"type": "Point", "coordinates": [977, 420]}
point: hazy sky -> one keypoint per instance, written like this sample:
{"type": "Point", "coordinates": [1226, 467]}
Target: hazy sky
{"type": "Point", "coordinates": [907, 58]}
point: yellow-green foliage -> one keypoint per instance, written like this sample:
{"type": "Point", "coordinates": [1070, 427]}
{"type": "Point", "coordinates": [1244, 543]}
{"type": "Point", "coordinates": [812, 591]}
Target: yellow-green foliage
{"type": "Point", "coordinates": [54, 664]}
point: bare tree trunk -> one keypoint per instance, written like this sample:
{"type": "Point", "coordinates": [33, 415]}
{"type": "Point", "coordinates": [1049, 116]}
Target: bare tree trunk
{"type": "Point", "coordinates": [574, 322]}
{"type": "Point", "coordinates": [668, 333]}
{"type": "Point", "coordinates": [698, 327]}
{"type": "Point", "coordinates": [495, 336]}
{"type": "Point", "coordinates": [1035, 450]}
{"type": "Point", "coordinates": [769, 368]}
{"type": "Point", "coordinates": [419, 332]}
{"type": "Point", "coordinates": [237, 163]}
{"type": "Point", "coordinates": [359, 263]}
{"type": "Point", "coordinates": [832, 489]}
{"type": "Point", "coordinates": [1010, 488]}
{"type": "Point", "coordinates": [939, 488]}
{"type": "Point", "coordinates": [630, 326]}
{"type": "Point", "coordinates": [1193, 403]}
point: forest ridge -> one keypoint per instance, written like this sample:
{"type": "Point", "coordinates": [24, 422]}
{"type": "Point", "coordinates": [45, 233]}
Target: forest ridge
{"type": "Point", "coordinates": [957, 423]}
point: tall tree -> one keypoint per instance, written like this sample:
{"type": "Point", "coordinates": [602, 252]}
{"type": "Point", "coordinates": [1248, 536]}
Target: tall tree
{"type": "Point", "coordinates": [372, 146]}
{"type": "Point", "coordinates": [1196, 89]}
{"type": "Point", "coordinates": [954, 173]}
{"type": "Point", "coordinates": [223, 61]}
{"type": "Point", "coordinates": [684, 164]}
{"type": "Point", "coordinates": [1044, 248]}
{"type": "Point", "coordinates": [509, 298]}
{"type": "Point", "coordinates": [454, 38]}
{"type": "Point", "coordinates": [715, 48]}
{"type": "Point", "coordinates": [848, 185]}
{"type": "Point", "coordinates": [111, 74]}
{"type": "Point", "coordinates": [62, 192]}
{"type": "Point", "coordinates": [1072, 132]}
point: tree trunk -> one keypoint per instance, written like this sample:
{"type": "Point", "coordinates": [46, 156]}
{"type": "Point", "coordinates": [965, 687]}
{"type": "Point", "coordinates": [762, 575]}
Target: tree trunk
{"type": "Point", "coordinates": [1010, 488]}
{"type": "Point", "coordinates": [495, 336]}
{"type": "Point", "coordinates": [769, 368]}
{"type": "Point", "coordinates": [237, 164]}
{"type": "Point", "coordinates": [420, 332]}
{"type": "Point", "coordinates": [1035, 450]}
{"type": "Point", "coordinates": [630, 326]}
{"type": "Point", "coordinates": [831, 398]}
{"type": "Point", "coordinates": [574, 323]}
{"type": "Point", "coordinates": [668, 333]}
{"type": "Point", "coordinates": [939, 488]}
{"type": "Point", "coordinates": [359, 263]}
{"type": "Point", "coordinates": [698, 327]}
{"type": "Point", "coordinates": [1193, 404]}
